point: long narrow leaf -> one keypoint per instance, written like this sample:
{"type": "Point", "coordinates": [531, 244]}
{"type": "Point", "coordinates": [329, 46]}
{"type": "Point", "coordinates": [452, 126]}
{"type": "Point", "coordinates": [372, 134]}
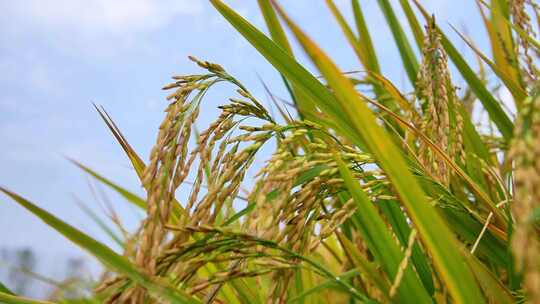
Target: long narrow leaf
{"type": "Point", "coordinates": [323, 285]}
{"type": "Point", "coordinates": [4, 289]}
{"type": "Point", "coordinates": [372, 63]}
{"type": "Point", "coordinates": [515, 88]}
{"type": "Point", "coordinates": [379, 240]}
{"type": "Point", "coordinates": [405, 50]}
{"type": "Point", "coordinates": [434, 232]}
{"type": "Point", "coordinates": [103, 253]}
{"type": "Point", "coordinates": [13, 299]}
{"type": "Point", "coordinates": [413, 23]}
{"type": "Point", "coordinates": [129, 196]}
{"type": "Point", "coordinates": [304, 107]}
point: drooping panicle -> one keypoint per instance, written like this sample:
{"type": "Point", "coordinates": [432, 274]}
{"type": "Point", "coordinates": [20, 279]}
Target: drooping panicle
{"type": "Point", "coordinates": [525, 154]}
{"type": "Point", "coordinates": [522, 20]}
{"type": "Point", "coordinates": [441, 120]}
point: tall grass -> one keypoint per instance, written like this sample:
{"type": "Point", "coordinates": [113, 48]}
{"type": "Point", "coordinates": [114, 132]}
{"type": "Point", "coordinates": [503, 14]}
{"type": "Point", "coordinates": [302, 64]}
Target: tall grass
{"type": "Point", "coordinates": [378, 197]}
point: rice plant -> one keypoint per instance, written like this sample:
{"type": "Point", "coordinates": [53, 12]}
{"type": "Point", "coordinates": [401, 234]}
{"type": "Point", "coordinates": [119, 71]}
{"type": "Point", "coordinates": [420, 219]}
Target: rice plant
{"type": "Point", "coordinates": [371, 194]}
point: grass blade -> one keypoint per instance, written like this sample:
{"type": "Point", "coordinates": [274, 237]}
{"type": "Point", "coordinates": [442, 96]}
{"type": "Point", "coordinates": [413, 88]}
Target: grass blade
{"type": "Point", "coordinates": [277, 33]}
{"type": "Point", "coordinates": [136, 161]}
{"type": "Point", "coordinates": [103, 253]}
{"type": "Point", "coordinates": [129, 196]}
{"type": "Point", "coordinates": [379, 240]}
{"type": "Point", "coordinates": [323, 285]}
{"type": "Point", "coordinates": [435, 234]}
{"type": "Point", "coordinates": [362, 48]}
{"type": "Point", "coordinates": [405, 50]}
{"type": "Point", "coordinates": [502, 44]}
{"type": "Point", "coordinates": [367, 268]}
{"type": "Point", "coordinates": [318, 94]}
{"type": "Point", "coordinates": [4, 289]}
{"type": "Point", "coordinates": [402, 230]}
{"type": "Point", "coordinates": [495, 291]}
{"type": "Point", "coordinates": [101, 224]}
{"type": "Point", "coordinates": [515, 88]}
{"type": "Point", "coordinates": [416, 29]}
{"type": "Point", "coordinates": [13, 299]}
{"type": "Point", "coordinates": [372, 63]}
{"type": "Point", "coordinates": [347, 31]}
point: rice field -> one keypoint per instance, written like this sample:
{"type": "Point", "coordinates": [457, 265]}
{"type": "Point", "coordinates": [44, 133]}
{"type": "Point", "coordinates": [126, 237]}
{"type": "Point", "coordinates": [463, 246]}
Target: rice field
{"type": "Point", "coordinates": [371, 194]}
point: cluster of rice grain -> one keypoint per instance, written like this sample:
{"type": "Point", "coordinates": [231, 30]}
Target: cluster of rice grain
{"type": "Point", "coordinates": [525, 153]}
{"type": "Point", "coordinates": [296, 216]}
{"type": "Point", "coordinates": [522, 20]}
{"type": "Point", "coordinates": [440, 118]}
{"type": "Point", "coordinates": [396, 201]}
{"type": "Point", "coordinates": [293, 199]}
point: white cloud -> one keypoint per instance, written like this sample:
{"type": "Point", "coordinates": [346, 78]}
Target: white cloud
{"type": "Point", "coordinates": [87, 17]}
{"type": "Point", "coordinates": [91, 28]}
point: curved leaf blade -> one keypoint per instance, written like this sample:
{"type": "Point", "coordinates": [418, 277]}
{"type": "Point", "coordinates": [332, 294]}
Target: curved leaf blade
{"type": "Point", "coordinates": [103, 253]}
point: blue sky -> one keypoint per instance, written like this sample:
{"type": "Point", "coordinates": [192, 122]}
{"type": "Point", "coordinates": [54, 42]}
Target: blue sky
{"type": "Point", "coordinates": [59, 56]}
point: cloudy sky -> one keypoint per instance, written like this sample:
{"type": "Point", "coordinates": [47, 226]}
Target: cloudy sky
{"type": "Point", "coordinates": [58, 57]}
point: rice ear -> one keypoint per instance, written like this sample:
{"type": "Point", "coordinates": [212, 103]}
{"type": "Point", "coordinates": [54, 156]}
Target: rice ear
{"type": "Point", "coordinates": [525, 155]}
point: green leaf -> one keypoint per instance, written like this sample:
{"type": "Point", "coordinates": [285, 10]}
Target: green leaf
{"type": "Point", "coordinates": [4, 289]}
{"type": "Point", "coordinates": [402, 230]}
{"type": "Point", "coordinates": [108, 257]}
{"type": "Point", "coordinates": [468, 229]}
{"type": "Point", "coordinates": [514, 87]}
{"type": "Point", "coordinates": [13, 299]}
{"type": "Point", "coordinates": [372, 64]}
{"type": "Point", "coordinates": [272, 22]}
{"type": "Point", "coordinates": [494, 290]}
{"type": "Point", "coordinates": [380, 242]}
{"type": "Point", "coordinates": [437, 237]}
{"type": "Point", "coordinates": [405, 50]}
{"type": "Point", "coordinates": [502, 44]}
{"type": "Point", "coordinates": [129, 196]}
{"type": "Point", "coordinates": [347, 31]}
{"type": "Point", "coordinates": [304, 107]}
{"type": "Point", "coordinates": [368, 269]}
{"type": "Point", "coordinates": [136, 161]}
{"type": "Point", "coordinates": [101, 224]}
{"type": "Point", "coordinates": [413, 23]}
{"type": "Point", "coordinates": [325, 284]}
{"type": "Point", "coordinates": [240, 213]}
{"type": "Point", "coordinates": [362, 48]}
{"type": "Point", "coordinates": [281, 60]}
